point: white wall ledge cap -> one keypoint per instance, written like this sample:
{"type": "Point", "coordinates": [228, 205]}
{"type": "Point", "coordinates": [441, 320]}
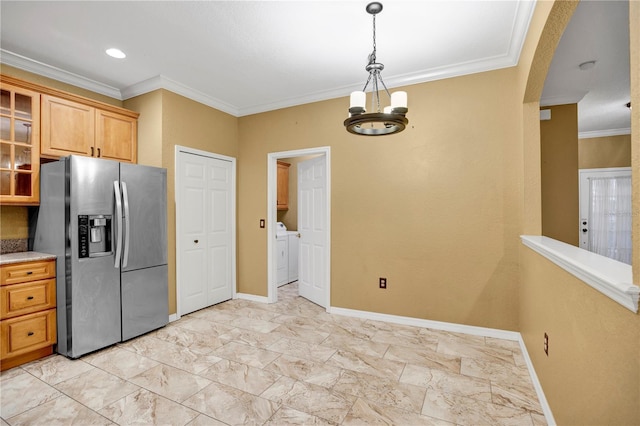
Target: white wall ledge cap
{"type": "Point", "coordinates": [610, 277]}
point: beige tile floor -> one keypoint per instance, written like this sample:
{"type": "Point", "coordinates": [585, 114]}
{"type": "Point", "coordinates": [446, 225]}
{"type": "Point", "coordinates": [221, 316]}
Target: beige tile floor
{"type": "Point", "coordinates": [242, 362]}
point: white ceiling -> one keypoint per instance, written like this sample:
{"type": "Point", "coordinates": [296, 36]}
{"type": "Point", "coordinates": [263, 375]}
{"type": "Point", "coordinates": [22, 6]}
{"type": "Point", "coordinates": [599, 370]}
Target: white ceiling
{"type": "Point", "coordinates": [245, 57]}
{"type": "Point", "coordinates": [599, 31]}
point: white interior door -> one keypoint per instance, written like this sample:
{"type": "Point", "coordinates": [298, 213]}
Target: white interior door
{"type": "Point", "coordinates": [312, 226]}
{"type": "Point", "coordinates": [205, 231]}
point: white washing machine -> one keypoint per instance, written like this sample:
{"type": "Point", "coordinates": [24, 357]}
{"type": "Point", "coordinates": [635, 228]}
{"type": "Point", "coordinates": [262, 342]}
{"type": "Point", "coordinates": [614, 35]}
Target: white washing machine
{"type": "Point", "coordinates": [287, 252]}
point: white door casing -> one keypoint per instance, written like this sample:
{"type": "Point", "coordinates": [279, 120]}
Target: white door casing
{"type": "Point", "coordinates": [205, 229]}
{"type": "Point", "coordinates": [272, 158]}
{"type": "Point", "coordinates": [312, 229]}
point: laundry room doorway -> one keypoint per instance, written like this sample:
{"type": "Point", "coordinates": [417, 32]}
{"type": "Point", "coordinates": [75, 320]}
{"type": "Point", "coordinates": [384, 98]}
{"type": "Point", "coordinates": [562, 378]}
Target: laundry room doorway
{"type": "Point", "coordinates": [307, 216]}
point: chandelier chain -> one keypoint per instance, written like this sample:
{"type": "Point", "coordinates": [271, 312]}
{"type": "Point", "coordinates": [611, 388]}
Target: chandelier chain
{"type": "Point", "coordinates": [373, 54]}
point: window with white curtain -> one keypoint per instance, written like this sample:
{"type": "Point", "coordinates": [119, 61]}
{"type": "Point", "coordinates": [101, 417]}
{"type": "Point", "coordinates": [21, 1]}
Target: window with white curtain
{"type": "Point", "coordinates": [610, 217]}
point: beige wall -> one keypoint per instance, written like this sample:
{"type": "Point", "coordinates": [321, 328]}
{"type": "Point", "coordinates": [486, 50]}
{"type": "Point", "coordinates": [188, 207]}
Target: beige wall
{"type": "Point", "coordinates": [14, 222]}
{"type": "Point", "coordinates": [166, 120]}
{"type": "Point", "coordinates": [432, 209]}
{"type": "Point", "coordinates": [149, 106]}
{"type": "Point", "coordinates": [607, 151]}
{"type": "Point", "coordinates": [559, 168]}
{"type": "Point", "coordinates": [592, 373]}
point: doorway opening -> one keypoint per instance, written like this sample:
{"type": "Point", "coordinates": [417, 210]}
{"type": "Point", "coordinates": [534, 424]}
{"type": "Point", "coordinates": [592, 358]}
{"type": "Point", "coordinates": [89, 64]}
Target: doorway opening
{"type": "Point", "coordinates": [318, 255]}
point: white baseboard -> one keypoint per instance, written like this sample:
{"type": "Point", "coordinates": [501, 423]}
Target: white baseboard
{"type": "Point", "coordinates": [546, 409]}
{"type": "Point", "coordinates": [173, 317]}
{"type": "Point", "coordinates": [252, 297]}
{"type": "Point", "coordinates": [436, 325]}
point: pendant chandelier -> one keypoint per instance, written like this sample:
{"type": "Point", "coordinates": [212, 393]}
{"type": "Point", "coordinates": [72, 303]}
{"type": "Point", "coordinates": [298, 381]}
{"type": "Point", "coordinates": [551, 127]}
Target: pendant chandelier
{"type": "Point", "coordinates": [376, 122]}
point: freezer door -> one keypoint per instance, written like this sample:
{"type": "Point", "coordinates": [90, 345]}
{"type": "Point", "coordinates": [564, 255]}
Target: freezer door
{"type": "Point", "coordinates": [93, 283]}
{"type": "Point", "coordinates": [145, 301]}
{"type": "Point", "coordinates": [145, 223]}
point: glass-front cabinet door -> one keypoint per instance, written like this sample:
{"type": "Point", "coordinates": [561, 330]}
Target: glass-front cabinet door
{"type": "Point", "coordinates": [19, 145]}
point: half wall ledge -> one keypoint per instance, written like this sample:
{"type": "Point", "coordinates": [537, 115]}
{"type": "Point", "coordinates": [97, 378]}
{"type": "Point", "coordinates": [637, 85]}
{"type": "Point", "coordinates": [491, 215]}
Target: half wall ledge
{"type": "Point", "coordinates": [610, 277]}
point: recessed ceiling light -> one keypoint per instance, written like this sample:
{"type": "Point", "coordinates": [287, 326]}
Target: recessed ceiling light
{"type": "Point", "coordinates": [116, 53]}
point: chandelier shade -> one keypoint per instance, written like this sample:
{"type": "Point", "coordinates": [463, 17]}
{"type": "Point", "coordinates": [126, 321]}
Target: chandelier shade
{"type": "Point", "coordinates": [378, 122]}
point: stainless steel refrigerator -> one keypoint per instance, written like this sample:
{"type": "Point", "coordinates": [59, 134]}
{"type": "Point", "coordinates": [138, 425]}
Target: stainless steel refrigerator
{"type": "Point", "coordinates": [107, 224]}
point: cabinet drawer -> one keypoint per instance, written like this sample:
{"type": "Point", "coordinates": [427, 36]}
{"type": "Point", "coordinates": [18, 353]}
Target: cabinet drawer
{"type": "Point", "coordinates": [25, 298]}
{"type": "Point", "coordinates": [27, 271]}
{"type": "Point", "coordinates": [28, 333]}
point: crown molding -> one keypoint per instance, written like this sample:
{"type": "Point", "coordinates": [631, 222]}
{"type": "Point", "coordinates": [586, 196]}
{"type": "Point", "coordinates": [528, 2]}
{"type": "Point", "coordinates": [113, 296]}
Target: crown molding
{"type": "Point", "coordinates": [22, 62]}
{"type": "Point", "coordinates": [162, 82]}
{"type": "Point", "coordinates": [604, 133]}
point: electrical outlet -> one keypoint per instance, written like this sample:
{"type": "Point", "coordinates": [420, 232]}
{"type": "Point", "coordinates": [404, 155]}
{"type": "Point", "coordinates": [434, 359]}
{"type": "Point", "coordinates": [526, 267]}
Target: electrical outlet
{"type": "Point", "coordinates": [546, 344]}
{"type": "Point", "coordinates": [383, 283]}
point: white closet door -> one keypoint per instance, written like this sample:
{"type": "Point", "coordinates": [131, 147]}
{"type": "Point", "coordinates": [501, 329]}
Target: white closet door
{"type": "Point", "coordinates": [205, 231]}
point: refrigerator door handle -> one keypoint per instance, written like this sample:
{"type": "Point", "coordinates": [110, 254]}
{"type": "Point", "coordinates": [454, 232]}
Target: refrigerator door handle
{"type": "Point", "coordinates": [116, 189]}
{"type": "Point", "coordinates": [127, 225]}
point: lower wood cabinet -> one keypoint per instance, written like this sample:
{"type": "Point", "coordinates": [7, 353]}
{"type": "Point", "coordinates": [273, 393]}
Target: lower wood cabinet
{"type": "Point", "coordinates": [27, 312]}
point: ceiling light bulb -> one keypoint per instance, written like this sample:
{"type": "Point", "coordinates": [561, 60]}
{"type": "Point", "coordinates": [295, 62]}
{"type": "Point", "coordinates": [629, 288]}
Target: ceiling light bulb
{"type": "Point", "coordinates": [116, 53]}
{"type": "Point", "coordinates": [587, 65]}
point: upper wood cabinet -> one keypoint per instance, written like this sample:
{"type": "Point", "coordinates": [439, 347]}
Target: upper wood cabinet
{"type": "Point", "coordinates": [116, 136]}
{"type": "Point", "coordinates": [70, 127]}
{"type": "Point", "coordinates": [67, 128]}
{"type": "Point", "coordinates": [19, 145]}
{"type": "Point", "coordinates": [69, 124]}
{"type": "Point", "coordinates": [283, 186]}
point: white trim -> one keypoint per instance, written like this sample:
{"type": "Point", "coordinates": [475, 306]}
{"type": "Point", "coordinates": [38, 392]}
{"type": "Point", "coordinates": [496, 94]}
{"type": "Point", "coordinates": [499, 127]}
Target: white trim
{"type": "Point", "coordinates": [251, 297]}
{"type": "Point", "coordinates": [40, 68]}
{"type": "Point", "coordinates": [173, 317]}
{"type": "Point", "coordinates": [610, 277]}
{"type": "Point", "coordinates": [177, 182]}
{"type": "Point", "coordinates": [546, 409]}
{"type": "Point", "coordinates": [272, 182]}
{"type": "Point", "coordinates": [604, 133]}
{"type": "Point", "coordinates": [162, 82]}
{"type": "Point", "coordinates": [424, 323]}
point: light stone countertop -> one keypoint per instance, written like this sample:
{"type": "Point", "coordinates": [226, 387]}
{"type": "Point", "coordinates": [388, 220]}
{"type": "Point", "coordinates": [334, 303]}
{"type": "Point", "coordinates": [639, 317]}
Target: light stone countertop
{"type": "Point", "coordinates": [26, 256]}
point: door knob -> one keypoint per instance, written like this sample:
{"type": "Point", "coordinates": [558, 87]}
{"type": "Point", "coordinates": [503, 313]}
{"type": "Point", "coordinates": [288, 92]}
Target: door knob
{"type": "Point", "coordinates": [584, 229]}
{"type": "Point", "coordinates": [195, 241]}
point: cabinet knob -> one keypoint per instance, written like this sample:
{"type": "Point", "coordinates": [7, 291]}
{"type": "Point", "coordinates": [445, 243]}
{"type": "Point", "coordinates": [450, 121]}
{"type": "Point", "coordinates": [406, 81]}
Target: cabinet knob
{"type": "Point", "coordinates": [29, 297]}
{"type": "Point", "coordinates": [29, 272]}
{"type": "Point", "coordinates": [31, 333]}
